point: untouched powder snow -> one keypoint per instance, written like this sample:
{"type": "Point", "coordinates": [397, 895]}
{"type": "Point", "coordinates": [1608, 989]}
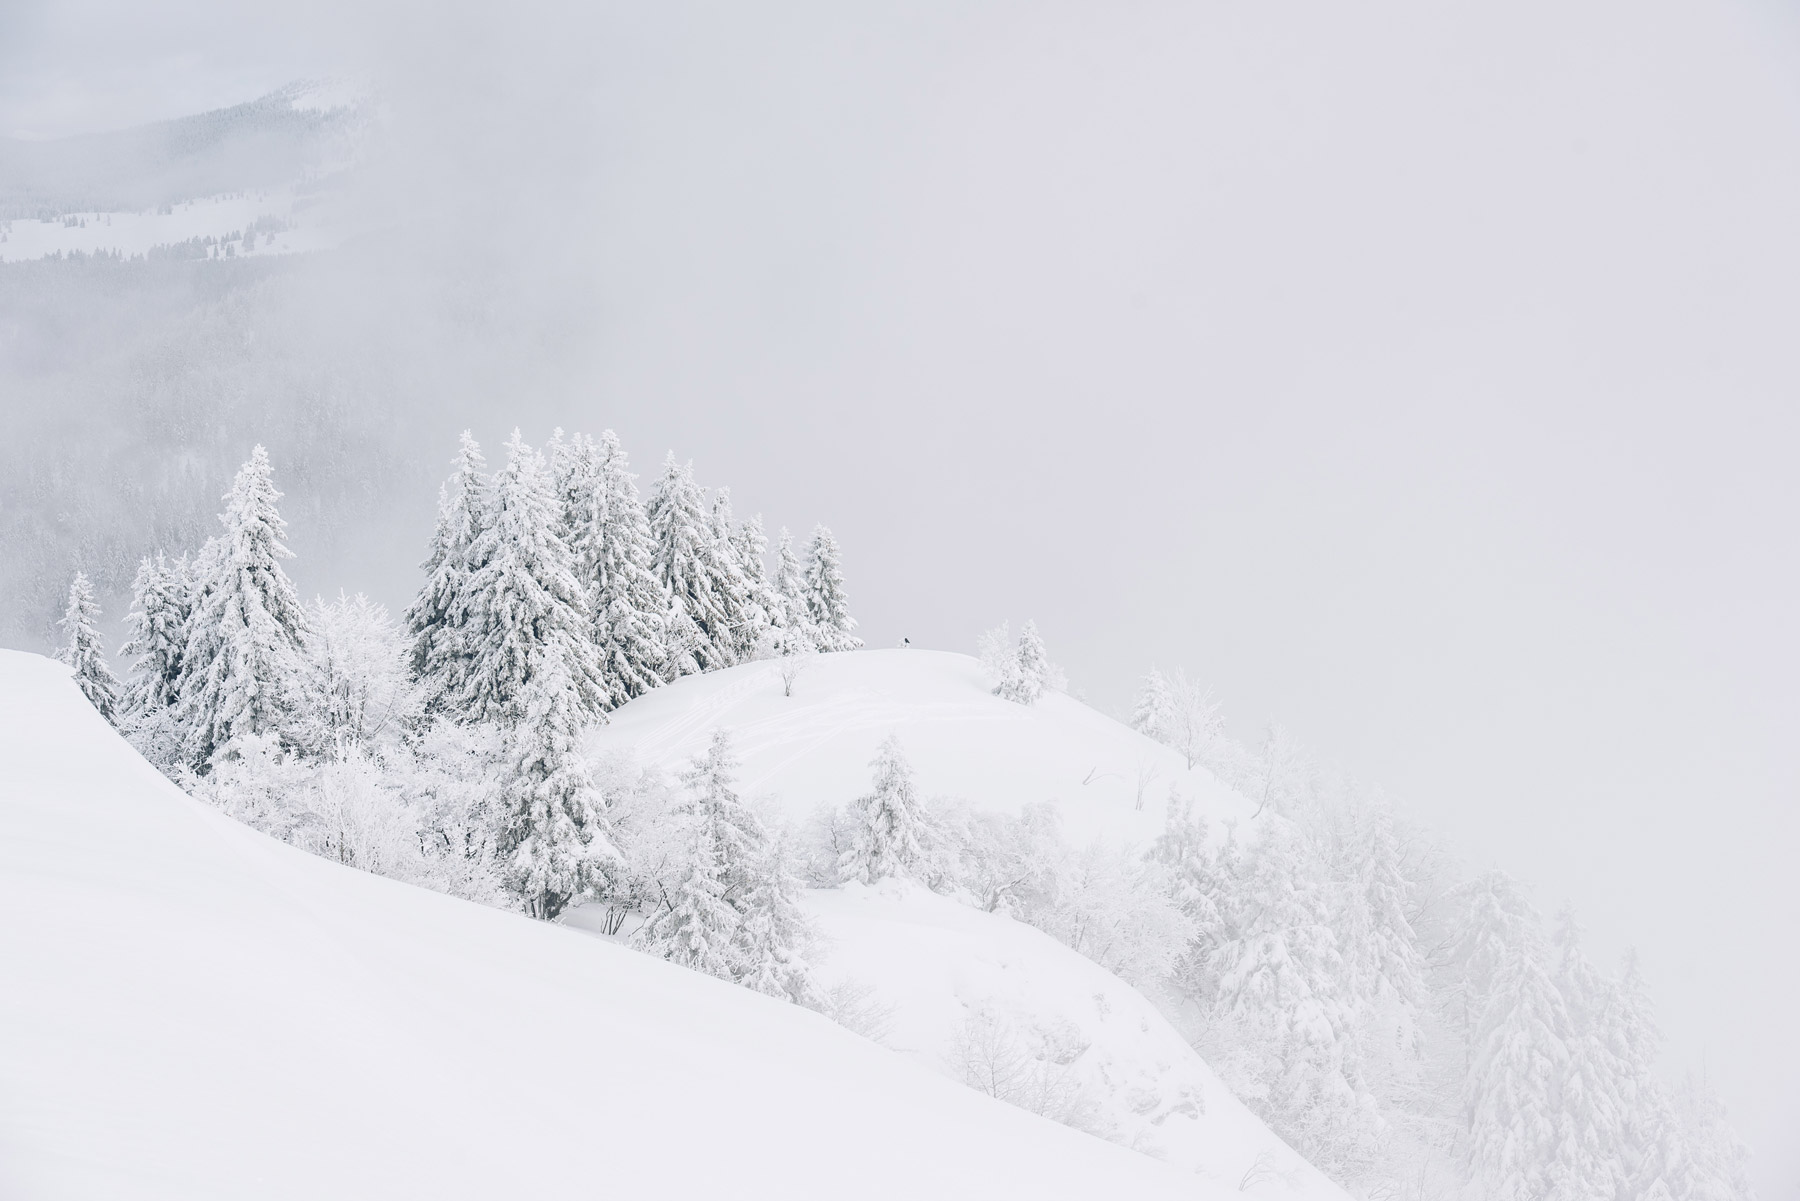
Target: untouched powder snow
{"type": "Point", "coordinates": [191, 1010]}
{"type": "Point", "coordinates": [978, 995]}
{"type": "Point", "coordinates": [814, 748]}
{"type": "Point", "coordinates": [959, 983]}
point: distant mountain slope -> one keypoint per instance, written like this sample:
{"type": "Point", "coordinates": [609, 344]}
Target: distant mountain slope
{"type": "Point", "coordinates": [814, 748]}
{"type": "Point", "coordinates": [265, 143]}
{"type": "Point", "coordinates": [191, 1010]}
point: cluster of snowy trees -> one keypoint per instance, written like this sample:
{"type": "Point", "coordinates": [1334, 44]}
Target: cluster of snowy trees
{"type": "Point", "coordinates": [1389, 1013]}
{"type": "Point", "coordinates": [1402, 1023]}
{"type": "Point", "coordinates": [447, 750]}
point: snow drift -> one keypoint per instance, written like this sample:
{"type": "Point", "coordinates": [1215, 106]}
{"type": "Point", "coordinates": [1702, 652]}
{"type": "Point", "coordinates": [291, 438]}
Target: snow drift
{"type": "Point", "coordinates": [192, 1010]}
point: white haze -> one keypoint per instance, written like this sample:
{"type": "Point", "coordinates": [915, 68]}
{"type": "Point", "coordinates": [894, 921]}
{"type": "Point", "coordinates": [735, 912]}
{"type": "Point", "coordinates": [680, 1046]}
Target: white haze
{"type": "Point", "coordinates": [1421, 375]}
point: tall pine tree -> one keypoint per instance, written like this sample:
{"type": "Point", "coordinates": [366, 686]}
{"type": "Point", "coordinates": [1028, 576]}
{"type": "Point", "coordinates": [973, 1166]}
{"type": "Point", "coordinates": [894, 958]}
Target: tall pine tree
{"type": "Point", "coordinates": [555, 843]}
{"type": "Point", "coordinates": [524, 608]}
{"type": "Point", "coordinates": [827, 608]}
{"type": "Point", "coordinates": [690, 563]}
{"type": "Point", "coordinates": [438, 619]}
{"type": "Point", "coordinates": [630, 607]}
{"type": "Point", "coordinates": [789, 587]}
{"type": "Point", "coordinates": [888, 824]}
{"type": "Point", "coordinates": [162, 595]}
{"type": "Point", "coordinates": [243, 664]}
{"type": "Point", "coordinates": [83, 651]}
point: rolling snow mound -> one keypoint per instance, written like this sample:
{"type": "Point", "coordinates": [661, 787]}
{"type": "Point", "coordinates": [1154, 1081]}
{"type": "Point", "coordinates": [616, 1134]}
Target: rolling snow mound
{"type": "Point", "coordinates": [191, 1010]}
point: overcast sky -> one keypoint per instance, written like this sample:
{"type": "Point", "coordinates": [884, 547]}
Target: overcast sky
{"type": "Point", "coordinates": [1424, 375]}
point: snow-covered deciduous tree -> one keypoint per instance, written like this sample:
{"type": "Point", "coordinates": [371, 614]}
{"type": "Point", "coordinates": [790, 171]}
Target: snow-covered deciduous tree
{"type": "Point", "coordinates": [554, 843]}
{"type": "Point", "coordinates": [438, 618]}
{"type": "Point", "coordinates": [362, 693]}
{"type": "Point", "coordinates": [888, 824]}
{"type": "Point", "coordinates": [827, 607]}
{"type": "Point", "coordinates": [83, 652]}
{"type": "Point", "coordinates": [243, 664]}
{"type": "Point", "coordinates": [1178, 713]}
{"type": "Point", "coordinates": [525, 609]}
{"type": "Point", "coordinates": [699, 570]}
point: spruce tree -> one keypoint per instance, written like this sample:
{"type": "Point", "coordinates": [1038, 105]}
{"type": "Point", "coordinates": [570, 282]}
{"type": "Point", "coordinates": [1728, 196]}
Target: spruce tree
{"type": "Point", "coordinates": [555, 845]}
{"type": "Point", "coordinates": [745, 618]}
{"type": "Point", "coordinates": [789, 587]}
{"type": "Point", "coordinates": [1590, 1153]}
{"type": "Point", "coordinates": [689, 563]}
{"type": "Point", "coordinates": [83, 652]}
{"type": "Point", "coordinates": [438, 618]}
{"type": "Point", "coordinates": [699, 923]}
{"type": "Point", "coordinates": [1150, 708]}
{"type": "Point", "coordinates": [1280, 986]}
{"type": "Point", "coordinates": [751, 545]}
{"type": "Point", "coordinates": [827, 608]}
{"type": "Point", "coordinates": [1031, 676]}
{"type": "Point", "coordinates": [773, 931]}
{"type": "Point", "coordinates": [630, 607]}
{"type": "Point", "coordinates": [243, 663]}
{"type": "Point", "coordinates": [524, 607]}
{"type": "Point", "coordinates": [1512, 1097]}
{"type": "Point", "coordinates": [888, 825]}
{"type": "Point", "coordinates": [161, 598]}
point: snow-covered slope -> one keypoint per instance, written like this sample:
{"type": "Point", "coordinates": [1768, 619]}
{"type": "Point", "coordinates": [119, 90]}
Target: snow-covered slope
{"type": "Point", "coordinates": [191, 1010]}
{"type": "Point", "coordinates": [814, 747]}
{"type": "Point", "coordinates": [978, 995]}
{"type": "Point", "coordinates": [950, 974]}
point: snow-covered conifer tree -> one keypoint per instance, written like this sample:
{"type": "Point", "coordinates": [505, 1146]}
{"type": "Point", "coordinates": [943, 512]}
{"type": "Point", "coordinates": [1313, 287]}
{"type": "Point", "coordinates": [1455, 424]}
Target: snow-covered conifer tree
{"type": "Point", "coordinates": [1280, 994]}
{"type": "Point", "coordinates": [554, 843]}
{"type": "Point", "coordinates": [630, 607]}
{"type": "Point", "coordinates": [1512, 1096]}
{"type": "Point", "coordinates": [774, 931]}
{"type": "Point", "coordinates": [688, 562]}
{"type": "Point", "coordinates": [752, 545]}
{"type": "Point", "coordinates": [699, 924]}
{"type": "Point", "coordinates": [83, 651]}
{"type": "Point", "coordinates": [1150, 708]}
{"type": "Point", "coordinates": [745, 618]}
{"type": "Point", "coordinates": [827, 608]}
{"type": "Point", "coordinates": [244, 660]}
{"type": "Point", "coordinates": [161, 595]}
{"type": "Point", "coordinates": [795, 619]}
{"type": "Point", "coordinates": [438, 618]}
{"type": "Point", "coordinates": [888, 824]}
{"type": "Point", "coordinates": [1594, 1085]}
{"type": "Point", "coordinates": [525, 609]}
{"type": "Point", "coordinates": [1030, 672]}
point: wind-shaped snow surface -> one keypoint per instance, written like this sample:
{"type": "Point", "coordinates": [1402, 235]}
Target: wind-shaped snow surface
{"type": "Point", "coordinates": [815, 747]}
{"type": "Point", "coordinates": [191, 1010]}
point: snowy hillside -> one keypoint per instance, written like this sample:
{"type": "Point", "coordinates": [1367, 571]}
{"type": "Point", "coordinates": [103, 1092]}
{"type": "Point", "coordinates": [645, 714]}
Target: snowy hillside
{"type": "Point", "coordinates": [192, 1010]}
{"type": "Point", "coordinates": [813, 748]}
{"type": "Point", "coordinates": [976, 994]}
{"type": "Point", "coordinates": [962, 984]}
